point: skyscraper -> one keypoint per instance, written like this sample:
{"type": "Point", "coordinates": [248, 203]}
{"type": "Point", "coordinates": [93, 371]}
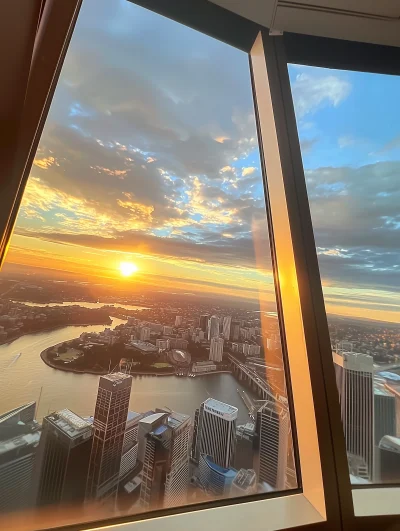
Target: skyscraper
{"type": "Point", "coordinates": [216, 432]}
{"type": "Point", "coordinates": [203, 322]}
{"type": "Point", "coordinates": [165, 474]}
{"type": "Point", "coordinates": [63, 458]}
{"type": "Point", "coordinates": [178, 320]}
{"type": "Point", "coordinates": [385, 412]}
{"type": "Point", "coordinates": [235, 330]}
{"type": "Point", "coordinates": [145, 333]}
{"type": "Point", "coordinates": [130, 446]}
{"type": "Point", "coordinates": [354, 378]}
{"type": "Point", "coordinates": [270, 444]}
{"type": "Point", "coordinates": [226, 327]}
{"type": "Point", "coordinates": [108, 437]}
{"type": "Point", "coordinates": [216, 349]}
{"type": "Point", "coordinates": [19, 439]}
{"type": "Point", "coordinates": [215, 479]}
{"type": "Point", "coordinates": [213, 327]}
{"type": "Point", "coordinates": [389, 458]}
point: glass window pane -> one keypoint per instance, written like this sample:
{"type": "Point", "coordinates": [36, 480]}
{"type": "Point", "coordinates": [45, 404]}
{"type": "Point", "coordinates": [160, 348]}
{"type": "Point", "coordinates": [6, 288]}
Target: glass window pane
{"type": "Point", "coordinates": [141, 357]}
{"type": "Point", "coordinates": [349, 132]}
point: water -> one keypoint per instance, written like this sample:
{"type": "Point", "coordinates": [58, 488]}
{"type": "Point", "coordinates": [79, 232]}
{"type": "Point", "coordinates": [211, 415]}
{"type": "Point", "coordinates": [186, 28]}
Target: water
{"type": "Point", "coordinates": [90, 305]}
{"type": "Point", "coordinates": [29, 377]}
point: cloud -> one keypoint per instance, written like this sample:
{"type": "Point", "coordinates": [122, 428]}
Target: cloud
{"type": "Point", "coordinates": [389, 146]}
{"type": "Point", "coordinates": [311, 92]}
{"type": "Point", "coordinates": [307, 144]}
{"type": "Point", "coordinates": [345, 141]}
{"type": "Point", "coordinates": [248, 171]}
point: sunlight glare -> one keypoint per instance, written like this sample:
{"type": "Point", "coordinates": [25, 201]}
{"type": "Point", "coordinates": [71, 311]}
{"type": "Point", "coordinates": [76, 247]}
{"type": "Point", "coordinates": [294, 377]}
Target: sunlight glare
{"type": "Point", "coordinates": [127, 268]}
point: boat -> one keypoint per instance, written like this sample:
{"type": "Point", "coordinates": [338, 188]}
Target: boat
{"type": "Point", "coordinates": [15, 359]}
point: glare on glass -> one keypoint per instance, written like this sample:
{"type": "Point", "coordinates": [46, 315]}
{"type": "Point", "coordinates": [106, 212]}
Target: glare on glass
{"type": "Point", "coordinates": [349, 136]}
{"type": "Point", "coordinates": [140, 346]}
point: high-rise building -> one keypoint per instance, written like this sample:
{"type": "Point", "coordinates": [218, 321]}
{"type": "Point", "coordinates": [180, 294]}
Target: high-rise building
{"type": "Point", "coordinates": [355, 381]}
{"type": "Point", "coordinates": [145, 333]}
{"type": "Point", "coordinates": [162, 344]}
{"type": "Point", "coordinates": [167, 330]}
{"type": "Point", "coordinates": [226, 327]}
{"type": "Point", "coordinates": [178, 320]}
{"type": "Point", "coordinates": [235, 330]}
{"type": "Point", "coordinates": [130, 446]}
{"type": "Point", "coordinates": [165, 474]}
{"type": "Point", "coordinates": [203, 322]}
{"type": "Point", "coordinates": [270, 444]}
{"type": "Point", "coordinates": [245, 482]}
{"type": "Point", "coordinates": [215, 479]}
{"type": "Point", "coordinates": [146, 425]}
{"type": "Point", "coordinates": [216, 432]}
{"type": "Point", "coordinates": [389, 458]}
{"type": "Point", "coordinates": [63, 458]}
{"type": "Point", "coordinates": [385, 412]}
{"type": "Point", "coordinates": [194, 449]}
{"type": "Point", "coordinates": [108, 438]}
{"type": "Point", "coordinates": [213, 327]}
{"type": "Point", "coordinates": [216, 349]}
{"type": "Point", "coordinates": [19, 440]}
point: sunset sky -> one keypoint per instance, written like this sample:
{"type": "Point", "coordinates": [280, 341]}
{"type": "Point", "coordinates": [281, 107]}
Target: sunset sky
{"type": "Point", "coordinates": [150, 155]}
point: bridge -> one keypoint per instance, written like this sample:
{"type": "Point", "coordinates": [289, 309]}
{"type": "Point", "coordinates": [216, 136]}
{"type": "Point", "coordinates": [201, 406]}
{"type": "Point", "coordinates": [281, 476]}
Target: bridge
{"type": "Point", "coordinates": [244, 373]}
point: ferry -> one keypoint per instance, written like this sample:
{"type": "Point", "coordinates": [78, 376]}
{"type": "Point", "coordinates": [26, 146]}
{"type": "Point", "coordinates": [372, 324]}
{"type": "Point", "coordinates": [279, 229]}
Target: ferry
{"type": "Point", "coordinates": [15, 359]}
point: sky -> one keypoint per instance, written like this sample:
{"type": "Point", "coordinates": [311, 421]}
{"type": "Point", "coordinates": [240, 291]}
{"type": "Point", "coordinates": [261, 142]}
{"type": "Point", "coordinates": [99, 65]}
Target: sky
{"type": "Point", "coordinates": [149, 155]}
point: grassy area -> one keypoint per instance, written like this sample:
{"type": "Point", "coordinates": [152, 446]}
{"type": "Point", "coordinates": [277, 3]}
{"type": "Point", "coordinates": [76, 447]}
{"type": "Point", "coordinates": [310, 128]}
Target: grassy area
{"type": "Point", "coordinates": [161, 365]}
{"type": "Point", "coordinates": [71, 355]}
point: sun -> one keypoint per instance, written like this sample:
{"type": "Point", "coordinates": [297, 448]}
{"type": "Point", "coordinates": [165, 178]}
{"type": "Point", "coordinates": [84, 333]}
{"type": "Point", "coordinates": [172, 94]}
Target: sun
{"type": "Point", "coordinates": [127, 268]}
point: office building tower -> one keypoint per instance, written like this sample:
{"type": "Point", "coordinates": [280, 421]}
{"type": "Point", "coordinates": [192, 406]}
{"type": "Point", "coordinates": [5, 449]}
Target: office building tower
{"type": "Point", "coordinates": [130, 445]}
{"type": "Point", "coordinates": [213, 327]}
{"type": "Point", "coordinates": [63, 458]}
{"type": "Point", "coordinates": [108, 437]}
{"type": "Point", "coordinates": [178, 320]}
{"type": "Point", "coordinates": [203, 322]}
{"type": "Point", "coordinates": [165, 474]}
{"type": "Point", "coordinates": [216, 349]}
{"type": "Point", "coordinates": [245, 482]}
{"type": "Point", "coordinates": [145, 333]}
{"type": "Point", "coordinates": [389, 458]}
{"type": "Point", "coordinates": [146, 425]}
{"type": "Point", "coordinates": [385, 412]}
{"type": "Point", "coordinates": [215, 479]}
{"type": "Point", "coordinates": [270, 444]}
{"type": "Point", "coordinates": [162, 344]}
{"type": "Point", "coordinates": [354, 378]}
{"type": "Point", "coordinates": [19, 440]}
{"type": "Point", "coordinates": [216, 432]}
{"type": "Point", "coordinates": [194, 449]}
{"type": "Point", "coordinates": [167, 330]}
{"type": "Point", "coordinates": [226, 327]}
{"type": "Point", "coordinates": [235, 330]}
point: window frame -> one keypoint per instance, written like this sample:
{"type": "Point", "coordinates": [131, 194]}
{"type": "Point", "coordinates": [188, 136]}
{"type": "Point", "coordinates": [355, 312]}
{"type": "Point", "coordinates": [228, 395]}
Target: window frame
{"type": "Point", "coordinates": [287, 190]}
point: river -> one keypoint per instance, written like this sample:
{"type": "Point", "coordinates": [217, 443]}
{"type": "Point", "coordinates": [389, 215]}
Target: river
{"type": "Point", "coordinates": [29, 378]}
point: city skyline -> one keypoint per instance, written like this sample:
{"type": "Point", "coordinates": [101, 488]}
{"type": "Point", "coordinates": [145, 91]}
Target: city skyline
{"type": "Point", "coordinates": [157, 164]}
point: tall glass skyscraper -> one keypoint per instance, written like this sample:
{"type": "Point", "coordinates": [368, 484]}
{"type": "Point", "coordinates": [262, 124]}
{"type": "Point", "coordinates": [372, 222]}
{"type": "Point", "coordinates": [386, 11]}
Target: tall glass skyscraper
{"type": "Point", "coordinates": [355, 381]}
{"type": "Point", "coordinates": [213, 327]}
{"type": "Point", "coordinates": [108, 436]}
{"type": "Point", "coordinates": [216, 432]}
{"type": "Point", "coordinates": [271, 444]}
{"type": "Point", "coordinates": [165, 474]}
{"type": "Point", "coordinates": [63, 458]}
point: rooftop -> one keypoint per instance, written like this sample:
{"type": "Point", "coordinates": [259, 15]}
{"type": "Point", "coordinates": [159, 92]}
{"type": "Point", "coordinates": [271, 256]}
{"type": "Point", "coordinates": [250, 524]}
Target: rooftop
{"type": "Point", "coordinates": [116, 376]}
{"type": "Point", "coordinates": [69, 423]}
{"type": "Point", "coordinates": [144, 346]}
{"type": "Point", "coordinates": [152, 418]}
{"type": "Point", "coordinates": [245, 478]}
{"type": "Point", "coordinates": [176, 419]}
{"type": "Point", "coordinates": [220, 406]}
{"type": "Point", "coordinates": [226, 472]}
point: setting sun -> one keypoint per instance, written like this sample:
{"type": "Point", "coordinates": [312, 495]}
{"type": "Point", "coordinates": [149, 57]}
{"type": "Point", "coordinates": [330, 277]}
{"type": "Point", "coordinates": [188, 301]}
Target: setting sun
{"type": "Point", "coordinates": [127, 268]}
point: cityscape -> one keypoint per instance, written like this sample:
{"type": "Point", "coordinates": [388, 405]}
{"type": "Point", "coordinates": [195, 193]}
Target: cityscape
{"type": "Point", "coordinates": [128, 460]}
